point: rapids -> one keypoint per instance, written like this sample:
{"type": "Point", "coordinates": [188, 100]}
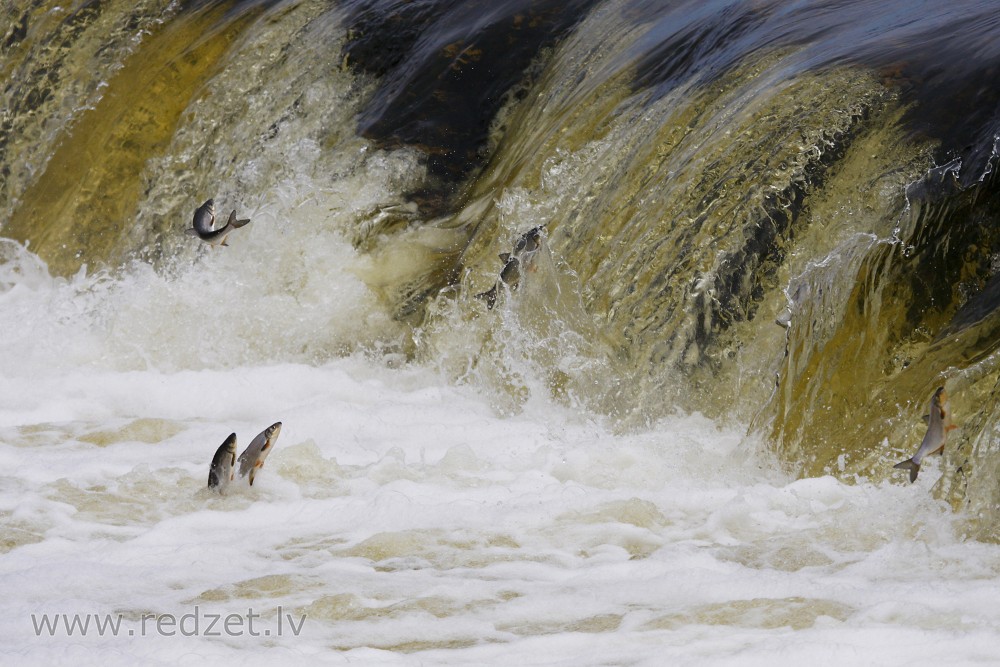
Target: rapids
{"type": "Point", "coordinates": [769, 235]}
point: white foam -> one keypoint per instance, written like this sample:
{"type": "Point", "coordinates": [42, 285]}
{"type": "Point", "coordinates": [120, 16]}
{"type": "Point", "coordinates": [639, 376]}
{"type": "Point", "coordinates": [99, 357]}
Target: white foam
{"type": "Point", "coordinates": [412, 524]}
{"type": "Point", "coordinates": [410, 518]}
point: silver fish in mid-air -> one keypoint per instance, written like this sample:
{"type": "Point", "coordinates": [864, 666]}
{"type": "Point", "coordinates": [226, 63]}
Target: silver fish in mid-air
{"type": "Point", "coordinates": [938, 425]}
{"type": "Point", "coordinates": [521, 257]}
{"type": "Point", "coordinates": [528, 242]}
{"type": "Point", "coordinates": [510, 275]}
{"type": "Point", "coordinates": [203, 225]}
{"type": "Point", "coordinates": [253, 456]}
{"type": "Point", "coordinates": [221, 472]}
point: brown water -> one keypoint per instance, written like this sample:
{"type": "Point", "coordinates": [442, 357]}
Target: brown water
{"type": "Point", "coordinates": [702, 170]}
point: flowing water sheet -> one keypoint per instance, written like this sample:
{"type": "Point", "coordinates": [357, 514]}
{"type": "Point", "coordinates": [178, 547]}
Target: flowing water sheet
{"type": "Point", "coordinates": [670, 441]}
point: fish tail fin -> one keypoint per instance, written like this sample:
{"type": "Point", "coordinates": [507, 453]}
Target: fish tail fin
{"type": "Point", "coordinates": [489, 296]}
{"type": "Point", "coordinates": [239, 223]}
{"type": "Point", "coordinates": [912, 466]}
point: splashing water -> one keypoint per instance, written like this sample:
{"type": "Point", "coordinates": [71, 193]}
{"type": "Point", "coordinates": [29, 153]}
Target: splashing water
{"type": "Point", "coordinates": [456, 486]}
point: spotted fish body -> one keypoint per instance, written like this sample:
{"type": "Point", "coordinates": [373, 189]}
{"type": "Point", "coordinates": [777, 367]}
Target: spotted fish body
{"type": "Point", "coordinates": [253, 456]}
{"type": "Point", "coordinates": [938, 425]}
{"type": "Point", "coordinates": [513, 263]}
{"type": "Point", "coordinates": [510, 275]}
{"type": "Point", "coordinates": [221, 472]}
{"type": "Point", "coordinates": [203, 225]}
{"type": "Point", "coordinates": [528, 242]}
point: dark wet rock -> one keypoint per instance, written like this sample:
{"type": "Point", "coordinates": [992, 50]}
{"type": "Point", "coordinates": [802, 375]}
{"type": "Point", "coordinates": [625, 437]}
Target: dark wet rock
{"type": "Point", "coordinates": [446, 67]}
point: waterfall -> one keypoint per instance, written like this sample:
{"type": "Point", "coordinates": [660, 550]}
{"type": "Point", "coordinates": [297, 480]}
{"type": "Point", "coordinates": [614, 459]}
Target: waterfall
{"type": "Point", "coordinates": [773, 213]}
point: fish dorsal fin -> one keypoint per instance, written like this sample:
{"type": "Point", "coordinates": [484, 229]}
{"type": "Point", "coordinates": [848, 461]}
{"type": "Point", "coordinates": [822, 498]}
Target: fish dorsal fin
{"type": "Point", "coordinates": [504, 256]}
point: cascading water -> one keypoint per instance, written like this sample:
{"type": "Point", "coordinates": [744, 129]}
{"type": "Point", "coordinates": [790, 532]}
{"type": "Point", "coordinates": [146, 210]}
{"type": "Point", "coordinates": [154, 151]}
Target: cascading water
{"type": "Point", "coordinates": [769, 235]}
{"type": "Point", "coordinates": [709, 171]}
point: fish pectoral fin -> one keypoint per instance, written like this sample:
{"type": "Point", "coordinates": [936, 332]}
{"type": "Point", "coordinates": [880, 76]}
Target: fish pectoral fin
{"type": "Point", "coordinates": [926, 419]}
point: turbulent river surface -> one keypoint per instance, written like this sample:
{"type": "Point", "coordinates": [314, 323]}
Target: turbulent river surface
{"type": "Point", "coordinates": [769, 230]}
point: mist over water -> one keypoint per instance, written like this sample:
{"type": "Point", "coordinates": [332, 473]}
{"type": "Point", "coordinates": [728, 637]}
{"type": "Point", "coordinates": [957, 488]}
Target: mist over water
{"type": "Point", "coordinates": [625, 461]}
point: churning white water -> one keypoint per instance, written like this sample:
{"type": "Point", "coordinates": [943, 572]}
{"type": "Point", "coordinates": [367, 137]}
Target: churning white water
{"type": "Point", "coordinates": [405, 517]}
{"type": "Point", "coordinates": [401, 518]}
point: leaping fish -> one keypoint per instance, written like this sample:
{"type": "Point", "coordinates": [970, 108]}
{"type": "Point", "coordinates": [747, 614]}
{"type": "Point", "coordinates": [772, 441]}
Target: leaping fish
{"type": "Point", "coordinates": [520, 257]}
{"type": "Point", "coordinates": [253, 456]}
{"type": "Point", "coordinates": [510, 275]}
{"type": "Point", "coordinates": [203, 225]}
{"type": "Point", "coordinates": [221, 472]}
{"type": "Point", "coordinates": [529, 242]}
{"type": "Point", "coordinates": [938, 425]}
